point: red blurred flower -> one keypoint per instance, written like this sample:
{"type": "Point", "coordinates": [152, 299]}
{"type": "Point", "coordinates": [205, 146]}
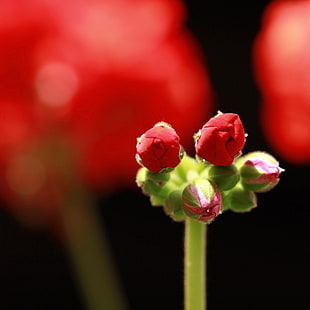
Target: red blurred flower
{"type": "Point", "coordinates": [168, 84]}
{"type": "Point", "coordinates": [159, 148]}
{"type": "Point", "coordinates": [282, 68]}
{"type": "Point", "coordinates": [220, 139]}
{"type": "Point", "coordinates": [78, 77]}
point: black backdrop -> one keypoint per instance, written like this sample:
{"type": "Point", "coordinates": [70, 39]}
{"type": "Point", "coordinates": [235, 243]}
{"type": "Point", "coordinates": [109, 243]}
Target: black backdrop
{"type": "Point", "coordinates": [258, 260]}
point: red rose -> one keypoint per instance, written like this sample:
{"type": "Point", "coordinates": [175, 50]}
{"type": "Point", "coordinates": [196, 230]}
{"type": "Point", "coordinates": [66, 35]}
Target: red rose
{"type": "Point", "coordinates": [159, 148]}
{"type": "Point", "coordinates": [220, 139]}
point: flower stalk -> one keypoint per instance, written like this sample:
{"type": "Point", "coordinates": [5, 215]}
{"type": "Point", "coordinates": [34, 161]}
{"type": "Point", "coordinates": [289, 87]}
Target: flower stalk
{"type": "Point", "coordinates": [195, 284]}
{"type": "Point", "coordinates": [90, 254]}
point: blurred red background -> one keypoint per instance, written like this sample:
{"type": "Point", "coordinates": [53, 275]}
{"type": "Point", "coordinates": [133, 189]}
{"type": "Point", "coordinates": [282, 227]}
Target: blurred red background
{"type": "Point", "coordinates": [282, 70]}
{"type": "Point", "coordinates": [80, 81]}
{"type": "Point", "coordinates": [73, 99]}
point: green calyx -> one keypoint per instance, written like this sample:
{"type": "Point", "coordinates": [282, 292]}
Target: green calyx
{"type": "Point", "coordinates": [173, 206]}
{"type": "Point", "coordinates": [154, 185]}
{"type": "Point", "coordinates": [150, 182]}
{"type": "Point", "coordinates": [260, 188]}
{"type": "Point", "coordinates": [239, 199]}
{"type": "Point", "coordinates": [225, 177]}
{"type": "Point", "coordinates": [165, 188]}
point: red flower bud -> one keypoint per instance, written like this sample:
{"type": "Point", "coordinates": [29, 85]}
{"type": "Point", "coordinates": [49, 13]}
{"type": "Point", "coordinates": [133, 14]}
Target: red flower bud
{"type": "Point", "coordinates": [220, 139]}
{"type": "Point", "coordinates": [159, 148]}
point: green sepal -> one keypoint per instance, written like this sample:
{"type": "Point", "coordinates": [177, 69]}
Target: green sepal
{"type": "Point", "coordinates": [204, 162]}
{"type": "Point", "coordinates": [151, 188]}
{"type": "Point", "coordinates": [239, 199]}
{"type": "Point", "coordinates": [150, 182]}
{"type": "Point", "coordinates": [207, 188]}
{"type": "Point", "coordinates": [159, 178]}
{"type": "Point", "coordinates": [141, 176]}
{"type": "Point", "coordinates": [157, 201]}
{"type": "Point", "coordinates": [260, 188]}
{"type": "Point", "coordinates": [249, 172]}
{"type": "Point", "coordinates": [160, 198]}
{"type": "Point", "coordinates": [225, 177]}
{"type": "Point", "coordinates": [173, 206]}
{"type": "Point", "coordinates": [191, 214]}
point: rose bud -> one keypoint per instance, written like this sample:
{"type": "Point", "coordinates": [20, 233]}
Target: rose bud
{"type": "Point", "coordinates": [225, 177]}
{"type": "Point", "coordinates": [220, 139]}
{"type": "Point", "coordinates": [259, 171]}
{"type": "Point", "coordinates": [159, 148]}
{"type": "Point", "coordinates": [202, 200]}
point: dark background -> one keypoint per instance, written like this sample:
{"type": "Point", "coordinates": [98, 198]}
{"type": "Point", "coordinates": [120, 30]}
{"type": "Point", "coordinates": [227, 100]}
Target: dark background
{"type": "Point", "coordinates": [258, 260]}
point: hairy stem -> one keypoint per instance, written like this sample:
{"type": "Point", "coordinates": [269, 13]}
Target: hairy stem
{"type": "Point", "coordinates": [195, 294]}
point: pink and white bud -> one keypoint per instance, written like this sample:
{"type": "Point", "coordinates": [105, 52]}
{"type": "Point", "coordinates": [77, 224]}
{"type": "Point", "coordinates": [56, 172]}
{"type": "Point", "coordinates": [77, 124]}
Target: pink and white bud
{"type": "Point", "coordinates": [259, 171]}
{"type": "Point", "coordinates": [202, 200]}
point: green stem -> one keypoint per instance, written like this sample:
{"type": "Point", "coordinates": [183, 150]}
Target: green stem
{"type": "Point", "coordinates": [89, 252]}
{"type": "Point", "coordinates": [195, 292]}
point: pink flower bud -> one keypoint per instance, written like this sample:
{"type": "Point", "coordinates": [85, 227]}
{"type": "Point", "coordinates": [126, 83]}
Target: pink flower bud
{"type": "Point", "coordinates": [220, 139]}
{"type": "Point", "coordinates": [159, 148]}
{"type": "Point", "coordinates": [202, 200]}
{"type": "Point", "coordinates": [259, 171]}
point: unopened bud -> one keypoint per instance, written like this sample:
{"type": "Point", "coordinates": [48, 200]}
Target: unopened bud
{"type": "Point", "coordinates": [150, 182]}
{"type": "Point", "coordinates": [174, 206]}
{"type": "Point", "coordinates": [239, 199]}
{"type": "Point", "coordinates": [202, 200]}
{"type": "Point", "coordinates": [225, 177]}
{"type": "Point", "coordinates": [159, 148]}
{"type": "Point", "coordinates": [259, 171]}
{"type": "Point", "coordinates": [220, 139]}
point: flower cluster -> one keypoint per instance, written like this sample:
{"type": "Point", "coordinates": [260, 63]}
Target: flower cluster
{"type": "Point", "coordinates": [219, 179]}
